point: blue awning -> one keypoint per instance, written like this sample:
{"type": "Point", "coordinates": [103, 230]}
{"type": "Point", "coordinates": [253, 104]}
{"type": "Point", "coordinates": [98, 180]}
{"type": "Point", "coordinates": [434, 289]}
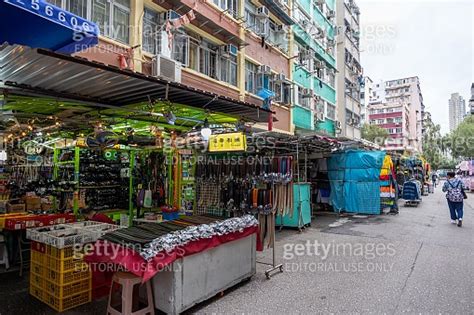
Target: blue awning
{"type": "Point", "coordinates": [38, 24]}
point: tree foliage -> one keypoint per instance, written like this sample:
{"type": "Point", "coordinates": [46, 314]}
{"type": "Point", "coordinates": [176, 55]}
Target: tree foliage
{"type": "Point", "coordinates": [374, 133]}
{"type": "Point", "coordinates": [462, 139]}
{"type": "Point", "coordinates": [433, 144]}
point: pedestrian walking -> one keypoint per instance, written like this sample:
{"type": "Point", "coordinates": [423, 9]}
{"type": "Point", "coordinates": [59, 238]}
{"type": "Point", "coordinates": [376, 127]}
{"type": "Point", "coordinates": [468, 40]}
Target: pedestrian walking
{"type": "Point", "coordinates": [434, 178]}
{"type": "Point", "coordinates": [455, 195]}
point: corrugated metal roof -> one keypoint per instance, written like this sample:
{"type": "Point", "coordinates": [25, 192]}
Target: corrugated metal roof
{"type": "Point", "coordinates": [51, 74]}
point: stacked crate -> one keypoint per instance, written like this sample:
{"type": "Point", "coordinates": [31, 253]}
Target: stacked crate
{"type": "Point", "coordinates": [59, 277]}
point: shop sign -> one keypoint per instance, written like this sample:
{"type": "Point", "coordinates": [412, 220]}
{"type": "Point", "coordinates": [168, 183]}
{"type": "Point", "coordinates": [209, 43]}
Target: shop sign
{"type": "Point", "coordinates": [228, 142]}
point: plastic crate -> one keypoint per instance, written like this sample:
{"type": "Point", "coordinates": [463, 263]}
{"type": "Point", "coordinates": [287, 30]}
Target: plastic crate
{"type": "Point", "coordinates": [63, 278]}
{"type": "Point", "coordinates": [67, 235]}
{"type": "Point", "coordinates": [37, 269]}
{"type": "Point", "coordinates": [36, 280]}
{"type": "Point", "coordinates": [63, 265]}
{"type": "Point", "coordinates": [57, 253]}
{"type": "Point", "coordinates": [64, 291]}
{"type": "Point", "coordinates": [69, 302]}
{"type": "Point", "coordinates": [38, 257]}
{"type": "Point", "coordinates": [36, 292]}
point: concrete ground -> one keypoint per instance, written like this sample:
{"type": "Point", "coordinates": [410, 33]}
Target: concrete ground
{"type": "Point", "coordinates": [414, 262]}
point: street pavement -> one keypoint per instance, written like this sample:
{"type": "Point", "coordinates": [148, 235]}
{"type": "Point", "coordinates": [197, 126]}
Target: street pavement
{"type": "Point", "coordinates": [414, 262]}
{"type": "Point", "coordinates": [427, 266]}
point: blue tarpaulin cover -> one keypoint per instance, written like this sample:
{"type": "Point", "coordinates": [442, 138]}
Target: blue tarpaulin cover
{"type": "Point", "coordinates": [38, 24]}
{"type": "Point", "coordinates": [354, 177]}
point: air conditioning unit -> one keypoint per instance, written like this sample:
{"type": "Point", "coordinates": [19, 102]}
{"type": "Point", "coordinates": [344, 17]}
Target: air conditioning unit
{"type": "Point", "coordinates": [263, 12]}
{"type": "Point", "coordinates": [319, 116]}
{"type": "Point", "coordinates": [167, 69]}
{"type": "Point", "coordinates": [281, 77]}
{"type": "Point", "coordinates": [316, 98]}
{"type": "Point", "coordinates": [331, 42]}
{"type": "Point", "coordinates": [338, 124]}
{"type": "Point", "coordinates": [170, 15]}
{"type": "Point", "coordinates": [330, 14]}
{"type": "Point", "coordinates": [265, 69]}
{"type": "Point", "coordinates": [229, 50]}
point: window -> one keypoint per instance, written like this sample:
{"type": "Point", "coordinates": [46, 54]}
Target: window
{"type": "Point", "coordinates": [253, 79]}
{"type": "Point", "coordinates": [380, 121]}
{"type": "Point", "coordinates": [208, 59]}
{"type": "Point", "coordinates": [277, 36]}
{"type": "Point", "coordinates": [281, 89]}
{"type": "Point", "coordinates": [253, 22]}
{"type": "Point", "coordinates": [230, 6]}
{"type": "Point", "coordinates": [228, 69]}
{"type": "Point", "coordinates": [304, 56]}
{"type": "Point", "coordinates": [180, 47]}
{"type": "Point", "coordinates": [330, 111]}
{"type": "Point", "coordinates": [389, 120]}
{"type": "Point", "coordinates": [151, 31]}
{"type": "Point", "coordinates": [398, 130]}
{"type": "Point", "coordinates": [303, 99]}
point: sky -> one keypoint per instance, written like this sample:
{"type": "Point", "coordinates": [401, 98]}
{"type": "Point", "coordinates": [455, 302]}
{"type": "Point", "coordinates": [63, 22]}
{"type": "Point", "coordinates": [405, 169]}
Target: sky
{"type": "Point", "coordinates": [431, 39]}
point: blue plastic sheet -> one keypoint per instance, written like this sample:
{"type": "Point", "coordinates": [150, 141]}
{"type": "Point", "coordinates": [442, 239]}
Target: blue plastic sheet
{"type": "Point", "coordinates": [354, 177]}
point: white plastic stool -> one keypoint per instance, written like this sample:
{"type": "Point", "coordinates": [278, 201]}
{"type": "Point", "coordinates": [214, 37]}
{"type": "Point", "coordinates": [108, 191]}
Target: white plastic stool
{"type": "Point", "coordinates": [4, 253]}
{"type": "Point", "coordinates": [128, 282]}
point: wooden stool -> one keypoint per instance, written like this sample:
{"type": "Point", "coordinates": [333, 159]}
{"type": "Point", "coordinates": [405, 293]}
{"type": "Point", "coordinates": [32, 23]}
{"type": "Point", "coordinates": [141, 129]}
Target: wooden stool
{"type": "Point", "coordinates": [130, 285]}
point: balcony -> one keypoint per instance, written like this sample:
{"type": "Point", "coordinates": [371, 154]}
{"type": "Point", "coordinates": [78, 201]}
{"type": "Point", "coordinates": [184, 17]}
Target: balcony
{"type": "Point", "coordinates": [325, 91]}
{"type": "Point", "coordinates": [208, 18]}
{"type": "Point", "coordinates": [302, 117]}
{"type": "Point", "coordinates": [302, 76]}
{"type": "Point", "coordinates": [300, 33]}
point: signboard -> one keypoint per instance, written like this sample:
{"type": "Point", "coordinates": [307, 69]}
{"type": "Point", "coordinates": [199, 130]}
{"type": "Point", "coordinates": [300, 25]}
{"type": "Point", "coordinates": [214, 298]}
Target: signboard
{"type": "Point", "coordinates": [228, 142]}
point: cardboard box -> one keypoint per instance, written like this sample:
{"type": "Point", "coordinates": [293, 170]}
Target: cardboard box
{"type": "Point", "coordinates": [46, 206]}
{"type": "Point", "coordinates": [15, 208]}
{"type": "Point", "coordinates": [33, 203]}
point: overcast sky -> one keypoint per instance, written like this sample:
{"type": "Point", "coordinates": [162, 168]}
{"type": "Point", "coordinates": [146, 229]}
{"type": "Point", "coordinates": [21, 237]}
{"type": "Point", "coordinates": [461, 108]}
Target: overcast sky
{"type": "Point", "coordinates": [431, 39]}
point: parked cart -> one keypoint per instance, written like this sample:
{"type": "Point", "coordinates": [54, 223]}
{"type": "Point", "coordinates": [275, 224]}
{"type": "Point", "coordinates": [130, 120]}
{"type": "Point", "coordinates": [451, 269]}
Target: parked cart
{"type": "Point", "coordinates": [412, 193]}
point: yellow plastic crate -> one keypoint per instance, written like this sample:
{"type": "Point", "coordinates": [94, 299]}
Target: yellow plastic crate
{"type": "Point", "coordinates": [64, 253]}
{"type": "Point", "coordinates": [37, 269]}
{"type": "Point", "coordinates": [36, 292]}
{"type": "Point", "coordinates": [63, 278]}
{"type": "Point", "coordinates": [63, 265]}
{"type": "Point", "coordinates": [67, 290]}
{"type": "Point", "coordinates": [69, 302]}
{"type": "Point", "coordinates": [38, 257]}
{"type": "Point", "coordinates": [36, 280]}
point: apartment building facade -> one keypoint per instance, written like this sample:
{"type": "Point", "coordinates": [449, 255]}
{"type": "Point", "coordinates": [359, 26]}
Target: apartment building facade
{"type": "Point", "coordinates": [277, 53]}
{"type": "Point", "coordinates": [349, 78]}
{"type": "Point", "coordinates": [457, 110]}
{"type": "Point", "coordinates": [366, 95]}
{"type": "Point", "coordinates": [314, 66]}
{"type": "Point", "coordinates": [471, 100]}
{"type": "Point", "coordinates": [397, 106]}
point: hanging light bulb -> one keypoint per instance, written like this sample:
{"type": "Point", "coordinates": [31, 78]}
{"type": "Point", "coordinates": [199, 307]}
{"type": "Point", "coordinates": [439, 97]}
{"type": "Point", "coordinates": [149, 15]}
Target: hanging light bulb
{"type": "Point", "coordinates": [206, 132]}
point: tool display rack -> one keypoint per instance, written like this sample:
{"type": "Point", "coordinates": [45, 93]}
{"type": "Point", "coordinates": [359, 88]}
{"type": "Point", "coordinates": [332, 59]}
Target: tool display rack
{"type": "Point", "coordinates": [77, 187]}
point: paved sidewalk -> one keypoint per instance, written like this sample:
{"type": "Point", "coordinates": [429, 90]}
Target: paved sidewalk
{"type": "Point", "coordinates": [431, 271]}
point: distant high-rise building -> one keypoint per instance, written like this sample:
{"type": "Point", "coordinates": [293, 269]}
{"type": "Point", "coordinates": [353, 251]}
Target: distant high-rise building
{"type": "Point", "coordinates": [471, 101]}
{"type": "Point", "coordinates": [366, 94]}
{"type": "Point", "coordinates": [397, 106]}
{"type": "Point", "coordinates": [349, 71]}
{"type": "Point", "coordinates": [457, 110]}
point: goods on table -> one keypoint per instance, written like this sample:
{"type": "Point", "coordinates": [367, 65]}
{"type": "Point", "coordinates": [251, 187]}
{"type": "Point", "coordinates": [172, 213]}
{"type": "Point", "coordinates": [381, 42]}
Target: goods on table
{"type": "Point", "coordinates": [166, 236]}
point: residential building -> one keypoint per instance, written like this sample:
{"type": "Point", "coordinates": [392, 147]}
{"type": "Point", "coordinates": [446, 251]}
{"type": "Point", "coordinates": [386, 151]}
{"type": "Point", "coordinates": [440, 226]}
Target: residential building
{"type": "Point", "coordinates": [397, 105]}
{"type": "Point", "coordinates": [366, 95]}
{"type": "Point", "coordinates": [349, 78]}
{"type": "Point", "coordinates": [276, 53]}
{"type": "Point", "coordinates": [457, 110]}
{"type": "Point", "coordinates": [240, 49]}
{"type": "Point", "coordinates": [471, 100]}
{"type": "Point", "coordinates": [314, 66]}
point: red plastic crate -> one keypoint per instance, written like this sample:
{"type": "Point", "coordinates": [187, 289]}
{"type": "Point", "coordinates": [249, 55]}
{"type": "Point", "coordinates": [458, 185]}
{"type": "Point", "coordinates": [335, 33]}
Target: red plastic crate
{"type": "Point", "coordinates": [31, 221]}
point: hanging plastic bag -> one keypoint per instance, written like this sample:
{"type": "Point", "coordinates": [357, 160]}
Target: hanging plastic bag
{"type": "Point", "coordinates": [148, 201]}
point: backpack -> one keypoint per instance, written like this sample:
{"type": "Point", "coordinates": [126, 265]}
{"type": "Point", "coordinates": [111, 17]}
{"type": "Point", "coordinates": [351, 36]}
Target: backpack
{"type": "Point", "coordinates": [455, 193]}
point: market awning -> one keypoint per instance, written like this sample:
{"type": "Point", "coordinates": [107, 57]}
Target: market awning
{"type": "Point", "coordinates": [38, 24]}
{"type": "Point", "coordinates": [44, 72]}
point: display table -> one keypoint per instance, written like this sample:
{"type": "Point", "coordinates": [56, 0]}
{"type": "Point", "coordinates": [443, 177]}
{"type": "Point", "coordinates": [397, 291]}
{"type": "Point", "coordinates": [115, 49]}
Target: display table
{"type": "Point", "coordinates": [196, 278]}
